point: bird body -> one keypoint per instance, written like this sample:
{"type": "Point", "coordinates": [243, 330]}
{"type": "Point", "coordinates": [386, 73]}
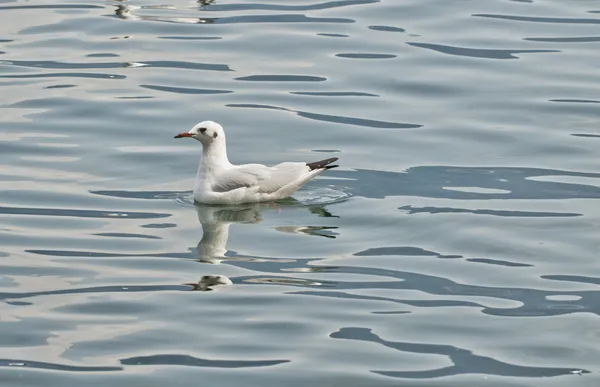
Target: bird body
{"type": "Point", "coordinates": [220, 182]}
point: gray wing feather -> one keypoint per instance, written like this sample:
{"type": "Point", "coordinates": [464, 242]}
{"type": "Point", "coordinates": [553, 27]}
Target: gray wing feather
{"type": "Point", "coordinates": [234, 179]}
{"type": "Point", "coordinates": [268, 179]}
{"type": "Point", "coordinates": [229, 186]}
{"type": "Point", "coordinates": [281, 175]}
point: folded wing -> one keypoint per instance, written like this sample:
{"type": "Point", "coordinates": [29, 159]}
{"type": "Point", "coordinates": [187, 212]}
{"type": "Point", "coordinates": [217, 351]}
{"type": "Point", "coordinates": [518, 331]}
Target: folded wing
{"type": "Point", "coordinates": [268, 179]}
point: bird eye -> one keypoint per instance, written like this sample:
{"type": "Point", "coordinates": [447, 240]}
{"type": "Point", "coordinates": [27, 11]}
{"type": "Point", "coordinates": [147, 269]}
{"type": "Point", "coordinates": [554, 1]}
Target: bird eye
{"type": "Point", "coordinates": [215, 135]}
{"type": "Point", "coordinates": [202, 130]}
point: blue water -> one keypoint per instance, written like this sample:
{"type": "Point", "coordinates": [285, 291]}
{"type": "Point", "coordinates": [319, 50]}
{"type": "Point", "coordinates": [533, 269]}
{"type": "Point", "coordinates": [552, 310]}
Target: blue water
{"type": "Point", "coordinates": [456, 245]}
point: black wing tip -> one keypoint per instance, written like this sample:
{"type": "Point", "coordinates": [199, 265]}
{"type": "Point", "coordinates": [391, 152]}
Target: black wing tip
{"type": "Point", "coordinates": [323, 164]}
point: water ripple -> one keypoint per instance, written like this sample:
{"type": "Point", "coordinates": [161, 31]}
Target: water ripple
{"type": "Point", "coordinates": [186, 360]}
{"type": "Point", "coordinates": [573, 278]}
{"type": "Point", "coordinates": [365, 56]}
{"type": "Point", "coordinates": [281, 78]}
{"type": "Point", "coordinates": [111, 65]}
{"type": "Point", "coordinates": [80, 213]}
{"type": "Point", "coordinates": [579, 39]}
{"type": "Point", "coordinates": [190, 37]}
{"type": "Point", "coordinates": [283, 7]}
{"type": "Point", "coordinates": [534, 19]}
{"type": "Point", "coordinates": [334, 94]}
{"type": "Point", "coordinates": [432, 181]}
{"type": "Point", "coordinates": [489, 261]}
{"type": "Point", "coordinates": [333, 35]}
{"type": "Point", "coordinates": [335, 119]}
{"type": "Point", "coordinates": [574, 101]}
{"type": "Point", "coordinates": [94, 290]}
{"type": "Point", "coordinates": [477, 52]}
{"type": "Point", "coordinates": [67, 75]}
{"type": "Point", "coordinates": [127, 12]}
{"type": "Point", "coordinates": [17, 363]}
{"type": "Point", "coordinates": [402, 250]}
{"type": "Point", "coordinates": [463, 360]}
{"type": "Point", "coordinates": [448, 210]}
{"type": "Point", "coordinates": [185, 90]}
{"type": "Point", "coordinates": [417, 303]}
{"type": "Point", "coordinates": [387, 29]}
{"type": "Point", "coordinates": [51, 6]}
{"type": "Point", "coordinates": [532, 302]}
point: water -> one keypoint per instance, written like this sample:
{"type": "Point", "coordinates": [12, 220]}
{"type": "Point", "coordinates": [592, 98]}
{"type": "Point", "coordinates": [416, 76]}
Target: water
{"type": "Point", "coordinates": [455, 246]}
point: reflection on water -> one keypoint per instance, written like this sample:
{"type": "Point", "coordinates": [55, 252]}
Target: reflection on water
{"type": "Point", "coordinates": [475, 183]}
{"type": "Point", "coordinates": [478, 53]}
{"type": "Point", "coordinates": [210, 282]}
{"type": "Point", "coordinates": [216, 220]}
{"type": "Point", "coordinates": [129, 12]}
{"type": "Point", "coordinates": [464, 361]}
{"type": "Point", "coordinates": [215, 229]}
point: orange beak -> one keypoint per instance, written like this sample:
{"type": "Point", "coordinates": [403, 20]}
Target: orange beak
{"type": "Point", "coordinates": [184, 134]}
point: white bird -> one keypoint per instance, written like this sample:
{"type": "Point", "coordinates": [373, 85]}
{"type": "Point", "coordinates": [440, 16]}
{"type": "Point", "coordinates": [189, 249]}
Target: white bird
{"type": "Point", "coordinates": [220, 182]}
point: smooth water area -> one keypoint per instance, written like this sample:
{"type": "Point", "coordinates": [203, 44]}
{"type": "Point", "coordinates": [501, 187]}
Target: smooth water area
{"type": "Point", "coordinates": [456, 245]}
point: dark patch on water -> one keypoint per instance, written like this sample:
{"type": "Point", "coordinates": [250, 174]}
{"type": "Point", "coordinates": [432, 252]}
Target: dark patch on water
{"type": "Point", "coordinates": [50, 6]}
{"type": "Point", "coordinates": [101, 55]}
{"type": "Point", "coordinates": [185, 90]}
{"type": "Point", "coordinates": [580, 39]}
{"type": "Point", "coordinates": [112, 65]}
{"type": "Point", "coordinates": [281, 78]}
{"type": "Point", "coordinates": [190, 37]}
{"type": "Point", "coordinates": [365, 56]}
{"type": "Point", "coordinates": [334, 94]}
{"type": "Point", "coordinates": [556, 20]}
{"type": "Point", "coordinates": [464, 362]}
{"type": "Point", "coordinates": [509, 213]}
{"type": "Point", "coordinates": [215, 7]}
{"type": "Point", "coordinates": [334, 35]}
{"type": "Point", "coordinates": [159, 225]}
{"type": "Point", "coordinates": [334, 119]}
{"type": "Point", "coordinates": [67, 75]}
{"type": "Point", "coordinates": [387, 29]}
{"type": "Point", "coordinates": [60, 86]}
{"type": "Point", "coordinates": [478, 52]}
{"type": "Point", "coordinates": [191, 361]}
{"type": "Point", "coordinates": [498, 262]}
{"type": "Point", "coordinates": [575, 100]}
{"type": "Point", "coordinates": [81, 213]}
{"type": "Point", "coordinates": [125, 235]}
{"type": "Point", "coordinates": [17, 363]}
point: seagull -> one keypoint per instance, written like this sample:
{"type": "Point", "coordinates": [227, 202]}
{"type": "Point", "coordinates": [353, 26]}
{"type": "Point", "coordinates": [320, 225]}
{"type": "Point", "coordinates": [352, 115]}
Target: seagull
{"type": "Point", "coordinates": [220, 182]}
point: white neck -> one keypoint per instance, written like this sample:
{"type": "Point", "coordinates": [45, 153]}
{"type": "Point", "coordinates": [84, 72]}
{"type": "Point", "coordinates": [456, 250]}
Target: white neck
{"type": "Point", "coordinates": [214, 157]}
{"type": "Point", "coordinates": [213, 160]}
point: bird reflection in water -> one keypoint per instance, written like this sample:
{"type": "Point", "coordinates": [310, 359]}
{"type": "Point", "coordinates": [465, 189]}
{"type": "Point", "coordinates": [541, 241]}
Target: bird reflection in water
{"type": "Point", "coordinates": [129, 12]}
{"type": "Point", "coordinates": [215, 221]}
{"type": "Point", "coordinates": [210, 282]}
{"type": "Point", "coordinates": [205, 3]}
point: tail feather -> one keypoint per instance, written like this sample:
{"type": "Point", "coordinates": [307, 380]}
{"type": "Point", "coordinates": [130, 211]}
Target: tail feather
{"type": "Point", "coordinates": [323, 164]}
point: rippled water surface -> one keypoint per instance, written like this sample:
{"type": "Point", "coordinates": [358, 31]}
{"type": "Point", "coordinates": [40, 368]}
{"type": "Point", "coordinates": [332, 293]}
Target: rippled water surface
{"type": "Point", "coordinates": [456, 245]}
